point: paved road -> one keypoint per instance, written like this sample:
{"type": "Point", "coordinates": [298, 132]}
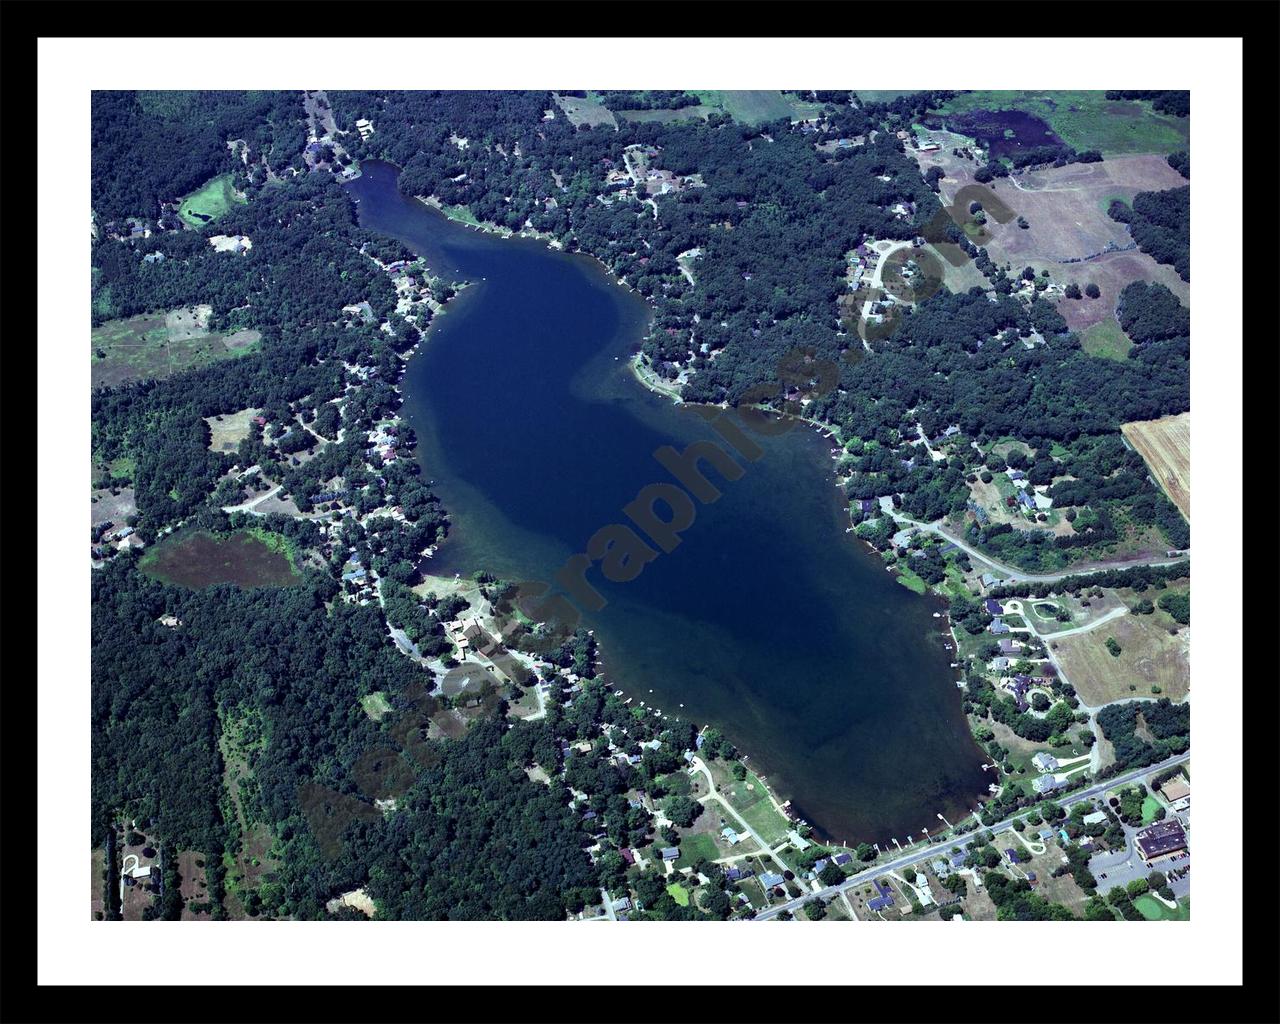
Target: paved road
{"type": "Point", "coordinates": [1018, 575]}
{"type": "Point", "coordinates": [1115, 613]}
{"type": "Point", "coordinates": [916, 856]}
{"type": "Point", "coordinates": [252, 504]}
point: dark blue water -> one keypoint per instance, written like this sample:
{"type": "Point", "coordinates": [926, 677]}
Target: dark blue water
{"type": "Point", "coordinates": [768, 620]}
{"type": "Point", "coordinates": [1002, 132]}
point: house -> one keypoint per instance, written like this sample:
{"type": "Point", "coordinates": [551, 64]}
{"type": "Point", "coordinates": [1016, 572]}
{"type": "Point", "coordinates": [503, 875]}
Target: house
{"type": "Point", "coordinates": [770, 879]}
{"type": "Point", "coordinates": [1026, 501]}
{"type": "Point", "coordinates": [730, 836]}
{"type": "Point", "coordinates": [1046, 762]}
{"type": "Point", "coordinates": [1046, 784]}
{"type": "Point", "coordinates": [988, 580]}
{"type": "Point", "coordinates": [957, 860]}
{"type": "Point", "coordinates": [670, 853]}
{"type": "Point", "coordinates": [1008, 646]}
{"type": "Point", "coordinates": [1161, 840]}
{"type": "Point", "coordinates": [999, 664]}
{"type": "Point", "coordinates": [1096, 818]}
{"type": "Point", "coordinates": [884, 897]}
{"type": "Point", "coordinates": [997, 627]}
{"type": "Point", "coordinates": [1014, 856]}
{"type": "Point", "coordinates": [842, 858]}
{"type": "Point", "coordinates": [797, 840]}
{"type": "Point", "coordinates": [733, 874]}
{"type": "Point", "coordinates": [627, 855]}
{"type": "Point", "coordinates": [820, 864]}
{"type": "Point", "coordinates": [1031, 877]}
{"type": "Point", "coordinates": [622, 903]}
{"type": "Point", "coordinates": [993, 606]}
{"type": "Point", "coordinates": [1045, 834]}
{"type": "Point", "coordinates": [940, 867]}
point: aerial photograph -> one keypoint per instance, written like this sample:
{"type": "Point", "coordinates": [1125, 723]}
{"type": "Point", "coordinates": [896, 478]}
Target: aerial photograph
{"type": "Point", "coordinates": [597, 505]}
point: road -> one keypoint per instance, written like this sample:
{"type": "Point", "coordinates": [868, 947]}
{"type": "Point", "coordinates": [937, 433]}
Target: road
{"type": "Point", "coordinates": [252, 504]}
{"type": "Point", "coordinates": [1018, 575]}
{"type": "Point", "coordinates": [918, 855]}
{"type": "Point", "coordinates": [1115, 613]}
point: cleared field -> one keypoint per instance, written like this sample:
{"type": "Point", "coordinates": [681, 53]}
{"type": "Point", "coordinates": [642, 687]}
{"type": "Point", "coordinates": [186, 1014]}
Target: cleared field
{"type": "Point", "coordinates": [1165, 444]}
{"type": "Point", "coordinates": [194, 886]}
{"type": "Point", "coordinates": [580, 110]}
{"type": "Point", "coordinates": [1149, 655]}
{"type": "Point", "coordinates": [698, 112]}
{"type": "Point", "coordinates": [159, 345]}
{"type": "Point", "coordinates": [750, 106]}
{"type": "Point", "coordinates": [750, 800]}
{"type": "Point", "coordinates": [200, 559]}
{"type": "Point", "coordinates": [226, 432]}
{"type": "Point", "coordinates": [1065, 208]}
{"type": "Point", "coordinates": [1106, 340]}
{"type": "Point", "coordinates": [1086, 119]}
{"type": "Point", "coordinates": [116, 508]}
{"type": "Point", "coordinates": [209, 202]}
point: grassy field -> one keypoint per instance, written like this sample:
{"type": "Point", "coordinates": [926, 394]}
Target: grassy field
{"type": "Point", "coordinates": [1106, 340]}
{"type": "Point", "coordinates": [200, 559]}
{"type": "Point", "coordinates": [1150, 808]}
{"type": "Point", "coordinates": [698, 112]}
{"type": "Point", "coordinates": [209, 202]}
{"type": "Point", "coordinates": [679, 893]}
{"type": "Point", "coordinates": [226, 432]}
{"type": "Point", "coordinates": [695, 847]}
{"type": "Point", "coordinates": [1086, 119]}
{"type": "Point", "coordinates": [1165, 444]}
{"type": "Point", "coordinates": [375, 705]}
{"type": "Point", "coordinates": [580, 110]}
{"type": "Point", "coordinates": [1148, 656]}
{"type": "Point", "coordinates": [750, 800]}
{"type": "Point", "coordinates": [157, 345]}
{"type": "Point", "coordinates": [750, 106]}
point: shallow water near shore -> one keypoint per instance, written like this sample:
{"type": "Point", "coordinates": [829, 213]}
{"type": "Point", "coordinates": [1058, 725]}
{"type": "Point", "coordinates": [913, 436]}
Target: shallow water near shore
{"type": "Point", "coordinates": [768, 620]}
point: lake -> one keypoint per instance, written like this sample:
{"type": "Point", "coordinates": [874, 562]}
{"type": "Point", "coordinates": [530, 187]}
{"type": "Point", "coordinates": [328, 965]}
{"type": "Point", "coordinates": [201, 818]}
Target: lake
{"type": "Point", "coordinates": [768, 620]}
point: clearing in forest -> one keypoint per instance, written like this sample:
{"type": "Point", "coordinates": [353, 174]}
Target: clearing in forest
{"type": "Point", "coordinates": [210, 201]}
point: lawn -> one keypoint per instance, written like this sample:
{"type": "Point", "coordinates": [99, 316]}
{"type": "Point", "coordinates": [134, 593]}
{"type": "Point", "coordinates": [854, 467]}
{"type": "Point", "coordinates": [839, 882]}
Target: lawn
{"type": "Point", "coordinates": [679, 893]}
{"type": "Point", "coordinates": [1086, 119]}
{"type": "Point", "coordinates": [695, 847]}
{"type": "Point", "coordinates": [209, 202]}
{"type": "Point", "coordinates": [754, 806]}
{"type": "Point", "coordinates": [1153, 910]}
{"type": "Point", "coordinates": [1106, 340]}
{"type": "Point", "coordinates": [228, 430]}
{"type": "Point", "coordinates": [1150, 808]}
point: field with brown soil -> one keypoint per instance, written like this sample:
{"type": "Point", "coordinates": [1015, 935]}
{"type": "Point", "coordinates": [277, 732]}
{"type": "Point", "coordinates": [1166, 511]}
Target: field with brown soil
{"type": "Point", "coordinates": [1165, 444]}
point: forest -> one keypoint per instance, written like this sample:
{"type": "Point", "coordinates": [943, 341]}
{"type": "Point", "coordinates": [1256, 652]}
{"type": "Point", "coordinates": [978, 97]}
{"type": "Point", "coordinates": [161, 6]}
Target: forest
{"type": "Point", "coordinates": [1160, 223]}
{"type": "Point", "coordinates": [152, 148]}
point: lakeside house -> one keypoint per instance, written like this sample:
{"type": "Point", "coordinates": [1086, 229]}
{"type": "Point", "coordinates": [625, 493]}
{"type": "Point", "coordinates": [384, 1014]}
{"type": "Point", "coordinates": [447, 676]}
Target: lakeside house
{"type": "Point", "coordinates": [1046, 784]}
{"type": "Point", "coordinates": [1046, 762]}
